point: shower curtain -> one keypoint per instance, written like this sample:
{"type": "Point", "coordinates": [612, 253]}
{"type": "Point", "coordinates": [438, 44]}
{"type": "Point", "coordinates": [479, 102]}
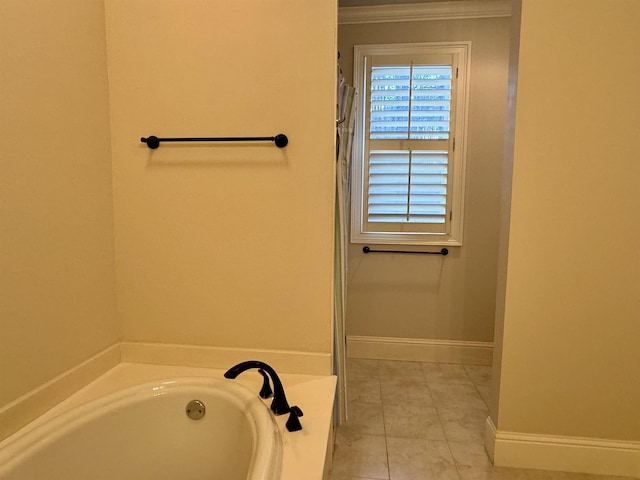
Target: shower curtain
{"type": "Point", "coordinates": [344, 133]}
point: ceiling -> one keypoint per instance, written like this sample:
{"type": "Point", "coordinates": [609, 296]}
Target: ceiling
{"type": "Point", "coordinates": [362, 3]}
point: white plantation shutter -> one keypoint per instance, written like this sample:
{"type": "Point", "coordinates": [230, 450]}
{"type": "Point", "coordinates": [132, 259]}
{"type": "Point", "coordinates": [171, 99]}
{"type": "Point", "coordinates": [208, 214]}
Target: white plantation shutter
{"type": "Point", "coordinates": [410, 115]}
{"type": "Point", "coordinates": [407, 187]}
{"type": "Point", "coordinates": [408, 125]}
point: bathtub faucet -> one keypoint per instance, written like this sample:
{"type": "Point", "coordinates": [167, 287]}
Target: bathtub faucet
{"type": "Point", "coordinates": [279, 405]}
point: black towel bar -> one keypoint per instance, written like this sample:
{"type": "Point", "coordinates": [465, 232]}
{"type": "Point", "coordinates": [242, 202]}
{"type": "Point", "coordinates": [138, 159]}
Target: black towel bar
{"type": "Point", "coordinates": [443, 251]}
{"type": "Point", "coordinates": [280, 140]}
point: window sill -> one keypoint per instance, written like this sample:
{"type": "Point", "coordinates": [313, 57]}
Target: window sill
{"type": "Point", "coordinates": [405, 239]}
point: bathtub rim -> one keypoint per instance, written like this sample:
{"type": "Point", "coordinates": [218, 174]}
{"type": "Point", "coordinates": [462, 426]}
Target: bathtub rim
{"type": "Point", "coordinates": [266, 461]}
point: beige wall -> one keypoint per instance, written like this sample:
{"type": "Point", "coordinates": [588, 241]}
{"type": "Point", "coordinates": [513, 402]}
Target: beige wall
{"type": "Point", "coordinates": [57, 280]}
{"type": "Point", "coordinates": [227, 245]}
{"type": "Point", "coordinates": [224, 244]}
{"type": "Point", "coordinates": [570, 360]}
{"type": "Point", "coordinates": [431, 297]}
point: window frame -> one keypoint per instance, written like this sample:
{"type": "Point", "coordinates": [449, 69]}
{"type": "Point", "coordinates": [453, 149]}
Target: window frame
{"type": "Point", "coordinates": [456, 146]}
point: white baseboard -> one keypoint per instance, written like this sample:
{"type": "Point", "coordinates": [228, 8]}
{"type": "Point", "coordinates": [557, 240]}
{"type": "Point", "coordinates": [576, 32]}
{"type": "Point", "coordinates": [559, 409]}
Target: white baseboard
{"type": "Point", "coordinates": [284, 361]}
{"type": "Point", "coordinates": [420, 350]}
{"type": "Point", "coordinates": [567, 454]}
{"type": "Point", "coordinates": [490, 439]}
{"type": "Point", "coordinates": [31, 405]}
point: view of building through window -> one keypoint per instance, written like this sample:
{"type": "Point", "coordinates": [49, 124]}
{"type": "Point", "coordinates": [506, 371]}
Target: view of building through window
{"type": "Point", "coordinates": [410, 102]}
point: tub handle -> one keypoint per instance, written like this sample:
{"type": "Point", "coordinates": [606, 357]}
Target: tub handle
{"type": "Point", "coordinates": [293, 423]}
{"type": "Point", "coordinates": [265, 391]}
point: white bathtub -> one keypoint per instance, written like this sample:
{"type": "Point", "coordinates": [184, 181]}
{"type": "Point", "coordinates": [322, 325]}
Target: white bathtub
{"type": "Point", "coordinates": [143, 432]}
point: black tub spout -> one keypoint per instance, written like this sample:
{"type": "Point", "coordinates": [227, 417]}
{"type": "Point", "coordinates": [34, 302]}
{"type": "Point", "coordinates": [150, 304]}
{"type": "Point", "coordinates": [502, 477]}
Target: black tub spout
{"type": "Point", "coordinates": [279, 405]}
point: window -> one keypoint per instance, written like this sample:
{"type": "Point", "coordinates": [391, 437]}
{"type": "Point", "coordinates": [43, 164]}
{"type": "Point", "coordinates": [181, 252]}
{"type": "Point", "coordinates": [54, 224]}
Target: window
{"type": "Point", "coordinates": [409, 143]}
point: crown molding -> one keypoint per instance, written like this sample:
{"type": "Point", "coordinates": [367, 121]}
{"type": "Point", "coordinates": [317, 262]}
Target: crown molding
{"type": "Point", "coordinates": [455, 10]}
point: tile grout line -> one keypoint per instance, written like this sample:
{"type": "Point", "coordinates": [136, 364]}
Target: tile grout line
{"type": "Point", "coordinates": [384, 424]}
{"type": "Point", "coordinates": [444, 431]}
{"type": "Point", "coordinates": [478, 390]}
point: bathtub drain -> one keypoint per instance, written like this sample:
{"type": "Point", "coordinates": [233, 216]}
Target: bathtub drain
{"type": "Point", "coordinates": [195, 409]}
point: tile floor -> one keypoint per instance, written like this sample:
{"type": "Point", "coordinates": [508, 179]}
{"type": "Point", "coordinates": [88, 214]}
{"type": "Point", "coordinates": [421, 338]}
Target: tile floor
{"type": "Point", "coordinates": [420, 421]}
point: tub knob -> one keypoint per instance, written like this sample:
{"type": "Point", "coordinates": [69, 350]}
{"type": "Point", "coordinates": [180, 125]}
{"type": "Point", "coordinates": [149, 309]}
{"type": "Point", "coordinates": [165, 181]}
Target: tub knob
{"type": "Point", "coordinates": [293, 423]}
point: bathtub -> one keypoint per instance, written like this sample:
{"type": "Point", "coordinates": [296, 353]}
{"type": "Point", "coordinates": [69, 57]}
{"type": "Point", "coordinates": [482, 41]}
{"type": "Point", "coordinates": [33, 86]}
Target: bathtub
{"type": "Point", "coordinates": [144, 432]}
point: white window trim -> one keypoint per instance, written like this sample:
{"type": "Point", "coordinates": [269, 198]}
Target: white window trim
{"type": "Point", "coordinates": [454, 238]}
